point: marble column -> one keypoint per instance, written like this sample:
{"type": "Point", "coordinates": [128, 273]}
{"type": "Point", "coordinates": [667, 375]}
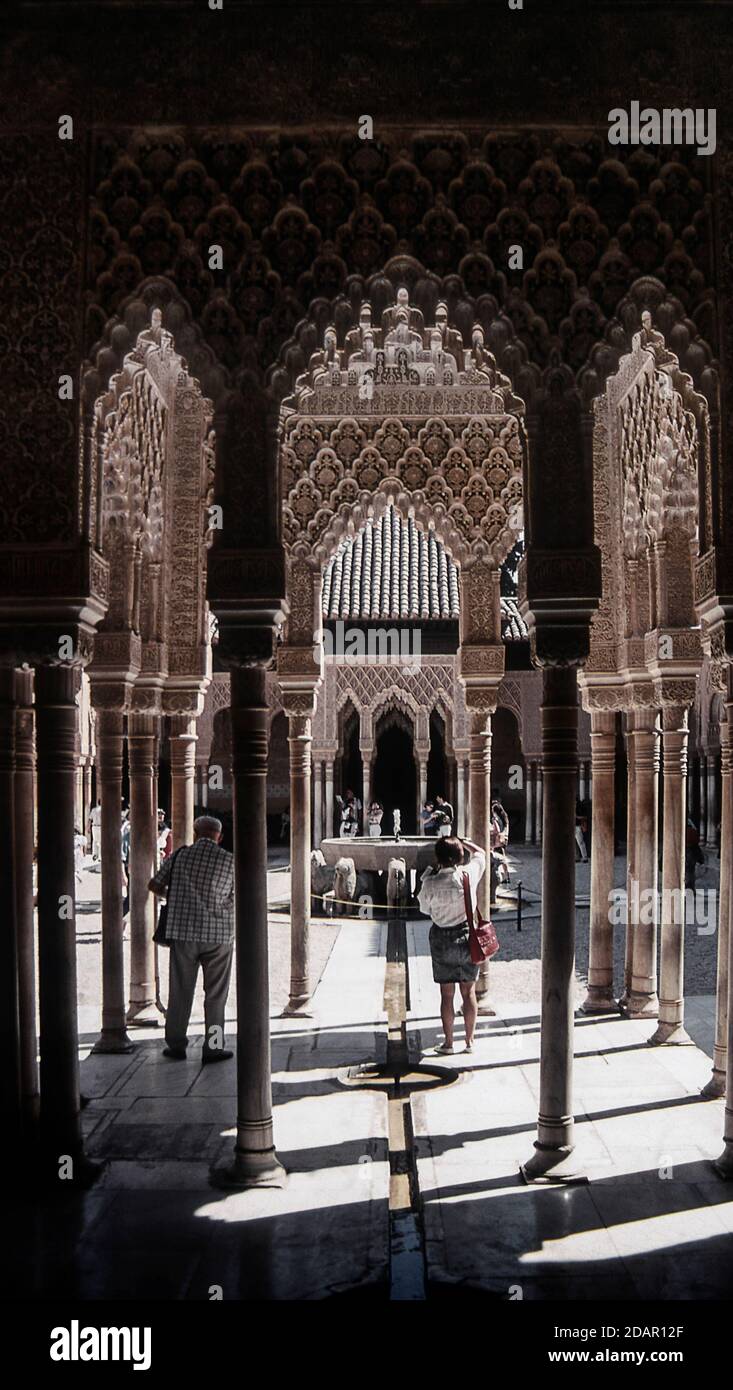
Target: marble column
{"type": "Point", "coordinates": [317, 802]}
{"type": "Point", "coordinates": [643, 1001]}
{"type": "Point", "coordinates": [528, 780]}
{"type": "Point", "coordinates": [57, 754]}
{"type": "Point", "coordinates": [461, 798]}
{"type": "Point", "coordinates": [670, 1028]}
{"type": "Point", "coordinates": [630, 858]}
{"type": "Point", "coordinates": [582, 791]}
{"type": "Point", "coordinates": [703, 786]}
{"type": "Point", "coordinates": [711, 838]}
{"type": "Point", "coordinates": [183, 740]}
{"type": "Point", "coordinates": [255, 1162]}
{"type": "Point", "coordinates": [366, 794]}
{"type": "Point", "coordinates": [539, 811]}
{"type": "Point", "coordinates": [599, 999]}
{"type": "Point", "coordinates": [555, 1130]}
{"type": "Point", "coordinates": [479, 771]}
{"type": "Point", "coordinates": [423, 786]}
{"type": "Point", "coordinates": [142, 743]}
{"type": "Point", "coordinates": [716, 1085]}
{"type": "Point", "coordinates": [329, 798]}
{"type": "Point", "coordinates": [724, 1164]}
{"type": "Point", "coordinates": [10, 1061]}
{"type": "Point", "coordinates": [24, 809]}
{"type": "Point", "coordinates": [110, 746]}
{"type": "Point", "coordinates": [299, 743]}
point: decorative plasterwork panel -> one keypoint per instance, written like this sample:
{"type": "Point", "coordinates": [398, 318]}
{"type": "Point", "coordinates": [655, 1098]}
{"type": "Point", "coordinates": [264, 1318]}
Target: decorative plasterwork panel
{"type": "Point", "coordinates": [405, 414]}
{"type": "Point", "coordinates": [651, 445]}
{"type": "Point", "coordinates": [152, 449]}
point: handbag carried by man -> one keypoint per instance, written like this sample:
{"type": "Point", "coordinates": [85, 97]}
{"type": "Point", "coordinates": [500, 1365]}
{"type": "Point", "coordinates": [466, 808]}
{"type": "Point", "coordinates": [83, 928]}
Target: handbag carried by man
{"type": "Point", "coordinates": [483, 942]}
{"type": "Point", "coordinates": [159, 935]}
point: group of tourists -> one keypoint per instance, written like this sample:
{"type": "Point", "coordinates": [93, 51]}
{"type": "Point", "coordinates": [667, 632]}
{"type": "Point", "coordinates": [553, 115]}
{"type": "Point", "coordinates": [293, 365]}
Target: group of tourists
{"type": "Point", "coordinates": [436, 817]}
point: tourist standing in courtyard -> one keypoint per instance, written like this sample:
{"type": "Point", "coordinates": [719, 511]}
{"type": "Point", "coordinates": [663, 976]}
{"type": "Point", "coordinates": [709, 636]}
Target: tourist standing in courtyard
{"type": "Point", "coordinates": [444, 813]}
{"type": "Point", "coordinates": [441, 898]}
{"type": "Point", "coordinates": [376, 811]}
{"type": "Point", "coordinates": [95, 825]}
{"type": "Point", "coordinates": [198, 883]}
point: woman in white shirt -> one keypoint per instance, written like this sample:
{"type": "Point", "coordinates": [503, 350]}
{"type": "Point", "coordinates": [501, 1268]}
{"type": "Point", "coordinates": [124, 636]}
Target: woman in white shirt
{"type": "Point", "coordinates": [441, 898]}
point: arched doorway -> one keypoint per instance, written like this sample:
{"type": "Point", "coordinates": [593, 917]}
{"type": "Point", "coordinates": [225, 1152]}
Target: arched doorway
{"type": "Point", "coordinates": [507, 763]}
{"type": "Point", "coordinates": [438, 783]}
{"type": "Point", "coordinates": [395, 770]}
{"type": "Point", "coordinates": [278, 781]}
{"type": "Point", "coordinates": [349, 771]}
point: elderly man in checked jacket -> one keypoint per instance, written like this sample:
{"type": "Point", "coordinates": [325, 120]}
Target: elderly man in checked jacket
{"type": "Point", "coordinates": [198, 883]}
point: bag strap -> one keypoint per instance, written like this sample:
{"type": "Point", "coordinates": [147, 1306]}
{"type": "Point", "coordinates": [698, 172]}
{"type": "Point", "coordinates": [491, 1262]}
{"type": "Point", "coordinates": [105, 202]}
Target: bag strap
{"type": "Point", "coordinates": [467, 899]}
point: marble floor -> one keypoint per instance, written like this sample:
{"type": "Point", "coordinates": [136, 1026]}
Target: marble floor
{"type": "Point", "coordinates": [653, 1220]}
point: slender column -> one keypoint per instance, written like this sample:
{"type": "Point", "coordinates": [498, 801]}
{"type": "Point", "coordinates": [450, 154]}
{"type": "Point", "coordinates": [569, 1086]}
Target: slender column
{"type": "Point", "coordinates": [716, 1085]}
{"type": "Point", "coordinates": [599, 998]}
{"type": "Point", "coordinates": [582, 791]}
{"type": "Point", "coordinates": [24, 841]}
{"type": "Point", "coordinates": [299, 742]}
{"type": "Point", "coordinates": [255, 1161]}
{"type": "Point", "coordinates": [703, 785]}
{"type": "Point", "coordinates": [528, 803]}
{"type": "Point", "coordinates": [366, 796]}
{"type": "Point", "coordinates": [110, 733]}
{"type": "Point", "coordinates": [423, 790]}
{"type": "Point", "coordinates": [183, 742]}
{"type": "Point", "coordinates": [329, 798]}
{"type": "Point", "coordinates": [670, 1028]}
{"type": "Point", "coordinates": [479, 771]}
{"type": "Point", "coordinates": [724, 1164]}
{"type": "Point", "coordinates": [630, 859]}
{"type": "Point", "coordinates": [10, 1061]}
{"type": "Point", "coordinates": [58, 751]}
{"type": "Point", "coordinates": [461, 799]}
{"type": "Point", "coordinates": [555, 1134]}
{"type": "Point", "coordinates": [711, 838]}
{"type": "Point", "coordinates": [643, 1000]}
{"type": "Point", "coordinates": [539, 810]}
{"type": "Point", "coordinates": [142, 742]}
{"type": "Point", "coordinates": [317, 802]}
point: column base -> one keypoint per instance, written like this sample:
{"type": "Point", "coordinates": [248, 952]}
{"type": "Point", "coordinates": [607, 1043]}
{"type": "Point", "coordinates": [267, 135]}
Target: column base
{"type": "Point", "coordinates": [639, 1005]}
{"type": "Point", "coordinates": [297, 1005]}
{"type": "Point", "coordinates": [552, 1166]}
{"type": "Point", "coordinates": [670, 1035]}
{"type": "Point", "coordinates": [143, 1014]}
{"type": "Point", "coordinates": [715, 1087]}
{"type": "Point", "coordinates": [599, 1000]}
{"type": "Point", "coordinates": [254, 1169]}
{"type": "Point", "coordinates": [724, 1165]}
{"type": "Point", "coordinates": [113, 1040]}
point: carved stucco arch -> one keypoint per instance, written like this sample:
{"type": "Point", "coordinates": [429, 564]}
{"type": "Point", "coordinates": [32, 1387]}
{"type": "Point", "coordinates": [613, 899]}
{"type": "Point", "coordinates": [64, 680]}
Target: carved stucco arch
{"type": "Point", "coordinates": [150, 447]}
{"type": "Point", "coordinates": [403, 413]}
{"type": "Point", "coordinates": [652, 444]}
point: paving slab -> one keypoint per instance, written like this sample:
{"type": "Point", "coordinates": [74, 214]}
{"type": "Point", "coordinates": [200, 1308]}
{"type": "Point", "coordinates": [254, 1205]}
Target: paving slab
{"type": "Point", "coordinates": [644, 1139]}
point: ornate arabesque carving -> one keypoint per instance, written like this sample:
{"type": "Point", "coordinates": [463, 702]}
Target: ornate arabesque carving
{"type": "Point", "coordinates": [152, 450]}
{"type": "Point", "coordinates": [403, 413]}
{"type": "Point", "coordinates": [651, 444]}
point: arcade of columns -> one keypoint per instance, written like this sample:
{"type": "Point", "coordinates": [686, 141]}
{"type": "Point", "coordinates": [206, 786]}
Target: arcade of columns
{"type": "Point", "coordinates": [149, 473]}
{"type": "Point", "coordinates": [346, 446]}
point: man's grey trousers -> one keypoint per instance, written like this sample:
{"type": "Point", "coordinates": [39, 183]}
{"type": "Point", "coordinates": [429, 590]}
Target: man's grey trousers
{"type": "Point", "coordinates": [216, 963]}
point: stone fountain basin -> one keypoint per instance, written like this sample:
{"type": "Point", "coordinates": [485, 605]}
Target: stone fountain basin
{"type": "Point", "coordinates": [373, 855]}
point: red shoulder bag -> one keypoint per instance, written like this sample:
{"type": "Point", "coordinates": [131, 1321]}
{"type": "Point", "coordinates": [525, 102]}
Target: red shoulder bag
{"type": "Point", "coordinates": [482, 939]}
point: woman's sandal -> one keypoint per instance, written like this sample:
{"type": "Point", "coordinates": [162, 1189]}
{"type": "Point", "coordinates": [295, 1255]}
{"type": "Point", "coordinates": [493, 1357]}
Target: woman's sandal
{"type": "Point", "coordinates": [445, 1048]}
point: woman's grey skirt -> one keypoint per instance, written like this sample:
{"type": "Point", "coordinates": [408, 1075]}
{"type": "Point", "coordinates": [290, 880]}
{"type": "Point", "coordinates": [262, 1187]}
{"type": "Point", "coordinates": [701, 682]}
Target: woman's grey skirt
{"type": "Point", "coordinates": [451, 955]}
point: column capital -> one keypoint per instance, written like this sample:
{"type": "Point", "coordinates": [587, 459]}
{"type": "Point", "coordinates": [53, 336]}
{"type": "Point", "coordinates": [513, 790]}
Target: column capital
{"type": "Point", "coordinates": [602, 721]}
